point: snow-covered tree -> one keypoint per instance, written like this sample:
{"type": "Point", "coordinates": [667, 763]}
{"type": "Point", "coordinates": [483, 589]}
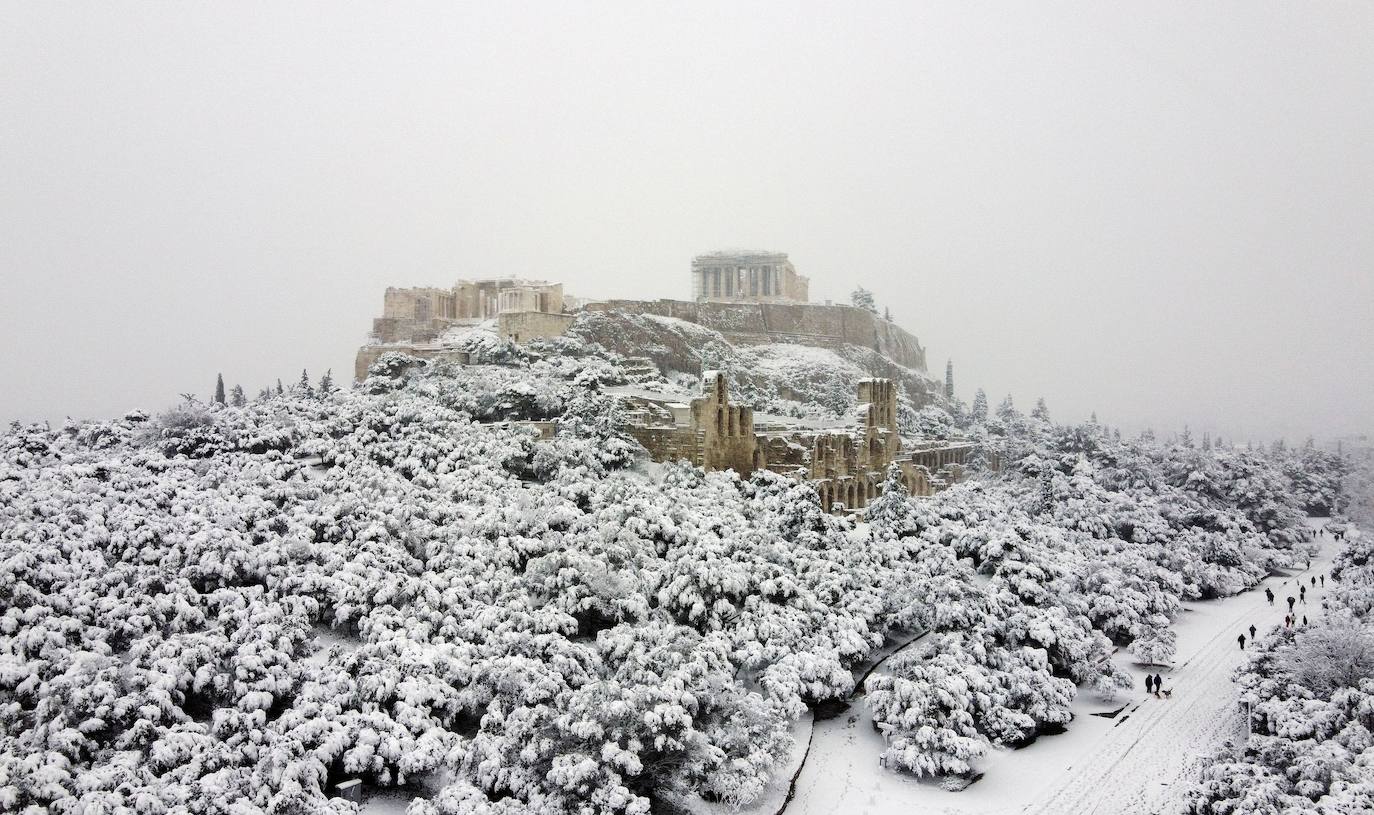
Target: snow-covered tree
{"type": "Point", "coordinates": [863, 298]}
{"type": "Point", "coordinates": [978, 414]}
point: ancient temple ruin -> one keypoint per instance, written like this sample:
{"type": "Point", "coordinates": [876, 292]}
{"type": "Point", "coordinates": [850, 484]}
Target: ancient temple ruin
{"type": "Point", "coordinates": [747, 277]}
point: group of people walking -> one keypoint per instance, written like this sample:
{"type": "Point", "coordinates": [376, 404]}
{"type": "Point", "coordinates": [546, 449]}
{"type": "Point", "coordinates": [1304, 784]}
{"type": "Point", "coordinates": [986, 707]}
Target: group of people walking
{"type": "Point", "coordinates": [1153, 682]}
{"type": "Point", "coordinates": [1291, 618]}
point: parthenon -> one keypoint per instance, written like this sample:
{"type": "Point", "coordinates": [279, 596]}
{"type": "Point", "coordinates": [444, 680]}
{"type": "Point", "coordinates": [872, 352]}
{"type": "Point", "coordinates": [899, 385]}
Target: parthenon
{"type": "Point", "coordinates": [747, 276]}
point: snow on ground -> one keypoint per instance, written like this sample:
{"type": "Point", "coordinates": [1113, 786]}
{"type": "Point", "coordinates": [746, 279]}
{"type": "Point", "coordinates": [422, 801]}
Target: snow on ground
{"type": "Point", "coordinates": [325, 639]}
{"type": "Point", "coordinates": [387, 802]}
{"type": "Point", "coordinates": [1138, 762]}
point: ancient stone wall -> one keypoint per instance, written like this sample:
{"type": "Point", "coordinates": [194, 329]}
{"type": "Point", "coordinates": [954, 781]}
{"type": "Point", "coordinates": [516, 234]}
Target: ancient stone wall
{"type": "Point", "coordinates": [369, 354]}
{"type": "Point", "coordinates": [523, 326]}
{"type": "Point", "coordinates": [670, 443]}
{"type": "Point", "coordinates": [728, 440]}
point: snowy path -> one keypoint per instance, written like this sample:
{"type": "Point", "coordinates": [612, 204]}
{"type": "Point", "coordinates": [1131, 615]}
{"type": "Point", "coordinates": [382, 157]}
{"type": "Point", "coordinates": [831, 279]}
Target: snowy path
{"type": "Point", "coordinates": [1144, 763]}
{"type": "Point", "coordinates": [1139, 762]}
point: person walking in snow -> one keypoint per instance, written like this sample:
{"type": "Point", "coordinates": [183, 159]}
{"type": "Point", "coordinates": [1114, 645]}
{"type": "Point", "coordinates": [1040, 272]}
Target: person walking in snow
{"type": "Point", "coordinates": [1158, 681]}
{"type": "Point", "coordinates": [1304, 619]}
{"type": "Point", "coordinates": [1302, 592]}
{"type": "Point", "coordinates": [1252, 633]}
{"type": "Point", "coordinates": [1323, 581]}
{"type": "Point", "coordinates": [1287, 621]}
{"type": "Point", "coordinates": [1291, 601]}
{"type": "Point", "coordinates": [1241, 640]}
{"type": "Point", "coordinates": [1149, 684]}
{"type": "Point", "coordinates": [1270, 594]}
{"type": "Point", "coordinates": [1314, 581]}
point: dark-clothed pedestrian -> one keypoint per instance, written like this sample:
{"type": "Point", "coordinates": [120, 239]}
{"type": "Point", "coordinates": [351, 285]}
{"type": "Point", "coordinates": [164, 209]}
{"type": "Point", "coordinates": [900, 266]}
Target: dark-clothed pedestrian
{"type": "Point", "coordinates": [1323, 581]}
{"type": "Point", "coordinates": [1270, 594]}
{"type": "Point", "coordinates": [1314, 581]}
{"type": "Point", "coordinates": [1304, 619]}
{"type": "Point", "coordinates": [1302, 592]}
{"type": "Point", "coordinates": [1149, 684]}
{"type": "Point", "coordinates": [1291, 601]}
{"type": "Point", "coordinates": [1241, 640]}
{"type": "Point", "coordinates": [1252, 632]}
{"type": "Point", "coordinates": [1159, 680]}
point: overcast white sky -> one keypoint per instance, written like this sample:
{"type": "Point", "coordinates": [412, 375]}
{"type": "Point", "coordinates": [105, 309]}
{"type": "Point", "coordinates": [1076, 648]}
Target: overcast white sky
{"type": "Point", "coordinates": [1162, 212]}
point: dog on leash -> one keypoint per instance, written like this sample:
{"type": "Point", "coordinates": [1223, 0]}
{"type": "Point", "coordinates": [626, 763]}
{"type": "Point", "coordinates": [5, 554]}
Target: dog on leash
{"type": "Point", "coordinates": [1168, 693]}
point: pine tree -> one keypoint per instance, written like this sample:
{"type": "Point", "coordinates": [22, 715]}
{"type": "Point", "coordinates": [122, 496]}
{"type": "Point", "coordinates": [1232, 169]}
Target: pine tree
{"type": "Point", "coordinates": [304, 385]}
{"type": "Point", "coordinates": [237, 397]}
{"type": "Point", "coordinates": [891, 510]}
{"type": "Point", "coordinates": [219, 389]}
{"type": "Point", "coordinates": [1007, 410]}
{"type": "Point", "coordinates": [949, 379]}
{"type": "Point", "coordinates": [1186, 439]}
{"type": "Point", "coordinates": [327, 382]}
{"type": "Point", "coordinates": [280, 390]}
{"type": "Point", "coordinates": [1041, 411]}
{"type": "Point", "coordinates": [1155, 643]}
{"type": "Point", "coordinates": [863, 298]}
{"type": "Point", "coordinates": [979, 412]}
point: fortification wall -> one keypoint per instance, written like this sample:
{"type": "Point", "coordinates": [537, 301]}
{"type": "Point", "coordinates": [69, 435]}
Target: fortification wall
{"type": "Point", "coordinates": [523, 326]}
{"type": "Point", "coordinates": [804, 323]}
{"type": "Point", "coordinates": [670, 443]}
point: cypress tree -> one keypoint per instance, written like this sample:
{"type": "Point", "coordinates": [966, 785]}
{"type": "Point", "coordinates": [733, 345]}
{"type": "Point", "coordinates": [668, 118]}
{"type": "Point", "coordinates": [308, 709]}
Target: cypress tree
{"type": "Point", "coordinates": [219, 389]}
{"type": "Point", "coordinates": [949, 379]}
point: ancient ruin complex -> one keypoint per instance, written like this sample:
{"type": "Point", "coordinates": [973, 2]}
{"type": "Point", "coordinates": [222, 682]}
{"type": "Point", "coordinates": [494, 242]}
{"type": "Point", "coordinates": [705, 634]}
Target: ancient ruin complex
{"type": "Point", "coordinates": [413, 320]}
{"type": "Point", "coordinates": [847, 464]}
{"type": "Point", "coordinates": [750, 298]}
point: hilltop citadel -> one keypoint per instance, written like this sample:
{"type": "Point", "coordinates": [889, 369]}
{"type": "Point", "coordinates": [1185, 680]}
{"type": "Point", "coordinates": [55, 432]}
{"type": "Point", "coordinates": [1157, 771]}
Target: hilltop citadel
{"type": "Point", "coordinates": [750, 298]}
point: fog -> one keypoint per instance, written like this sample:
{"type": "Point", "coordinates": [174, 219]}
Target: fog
{"type": "Point", "coordinates": [1160, 213]}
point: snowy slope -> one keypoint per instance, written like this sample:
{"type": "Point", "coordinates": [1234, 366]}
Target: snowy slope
{"type": "Point", "coordinates": [781, 378]}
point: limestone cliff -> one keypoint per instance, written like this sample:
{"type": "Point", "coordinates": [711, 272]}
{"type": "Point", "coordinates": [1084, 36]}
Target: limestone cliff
{"type": "Point", "coordinates": [821, 326]}
{"type": "Point", "coordinates": [792, 372]}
